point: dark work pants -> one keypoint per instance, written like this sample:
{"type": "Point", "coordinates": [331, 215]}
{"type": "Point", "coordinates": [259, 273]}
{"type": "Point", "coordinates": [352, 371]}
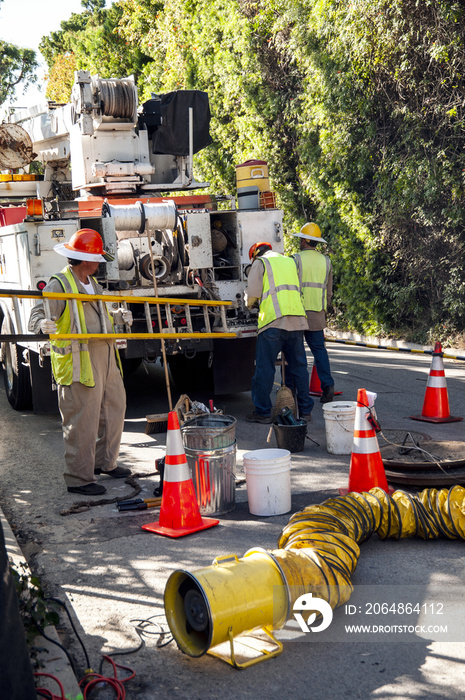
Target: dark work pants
{"type": "Point", "coordinates": [269, 344]}
{"type": "Point", "coordinates": [316, 343]}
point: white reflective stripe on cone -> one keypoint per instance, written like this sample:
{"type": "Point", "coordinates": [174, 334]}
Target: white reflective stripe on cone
{"type": "Point", "coordinates": [176, 472]}
{"type": "Point", "coordinates": [174, 445]}
{"type": "Point", "coordinates": [365, 445]}
{"type": "Point", "coordinates": [436, 382]}
{"type": "Point", "coordinates": [361, 422]}
{"type": "Point", "coordinates": [437, 363]}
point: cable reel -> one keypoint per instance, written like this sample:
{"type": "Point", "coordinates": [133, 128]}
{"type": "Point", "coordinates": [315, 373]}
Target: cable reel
{"type": "Point", "coordinates": [161, 264]}
{"type": "Point", "coordinates": [118, 98]}
{"type": "Point", "coordinates": [140, 217]}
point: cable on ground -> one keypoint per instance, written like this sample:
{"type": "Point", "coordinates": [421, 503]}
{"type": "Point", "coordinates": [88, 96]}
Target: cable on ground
{"type": "Point", "coordinates": [91, 679]}
{"type": "Point", "coordinates": [82, 506]}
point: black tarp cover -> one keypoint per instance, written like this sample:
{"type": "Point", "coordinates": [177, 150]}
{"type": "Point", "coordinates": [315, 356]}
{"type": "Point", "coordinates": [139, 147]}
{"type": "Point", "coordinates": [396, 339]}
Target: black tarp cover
{"type": "Point", "coordinates": [172, 136]}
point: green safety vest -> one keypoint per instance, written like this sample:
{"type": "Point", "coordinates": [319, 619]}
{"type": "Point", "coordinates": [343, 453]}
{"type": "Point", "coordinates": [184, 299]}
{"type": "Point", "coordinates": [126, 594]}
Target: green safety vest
{"type": "Point", "coordinates": [313, 269]}
{"type": "Point", "coordinates": [281, 292]}
{"type": "Point", "coordinates": [70, 358]}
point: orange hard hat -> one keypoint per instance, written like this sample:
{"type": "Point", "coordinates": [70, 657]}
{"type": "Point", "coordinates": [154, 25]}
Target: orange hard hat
{"type": "Point", "coordinates": [258, 249]}
{"type": "Point", "coordinates": [85, 244]}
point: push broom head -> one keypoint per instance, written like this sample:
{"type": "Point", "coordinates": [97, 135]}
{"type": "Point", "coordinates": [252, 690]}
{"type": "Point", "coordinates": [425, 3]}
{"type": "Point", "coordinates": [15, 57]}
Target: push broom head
{"type": "Point", "coordinates": [284, 397]}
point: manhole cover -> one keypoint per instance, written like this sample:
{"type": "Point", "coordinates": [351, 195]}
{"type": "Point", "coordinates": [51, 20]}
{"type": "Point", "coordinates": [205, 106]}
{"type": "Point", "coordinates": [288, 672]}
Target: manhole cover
{"type": "Point", "coordinates": [425, 455]}
{"type": "Point", "coordinates": [401, 437]}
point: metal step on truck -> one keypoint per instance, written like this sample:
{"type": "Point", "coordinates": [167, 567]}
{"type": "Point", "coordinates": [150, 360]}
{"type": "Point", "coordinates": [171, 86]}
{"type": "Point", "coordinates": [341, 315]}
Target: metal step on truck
{"type": "Point", "coordinates": [126, 170]}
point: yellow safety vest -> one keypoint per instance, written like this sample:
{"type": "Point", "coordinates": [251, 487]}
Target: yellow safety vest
{"type": "Point", "coordinates": [70, 358]}
{"type": "Point", "coordinates": [281, 293]}
{"type": "Point", "coordinates": [313, 269]}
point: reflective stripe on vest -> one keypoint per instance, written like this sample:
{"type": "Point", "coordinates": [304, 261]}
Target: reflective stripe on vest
{"type": "Point", "coordinates": [70, 358]}
{"type": "Point", "coordinates": [279, 299]}
{"type": "Point", "coordinates": [313, 269]}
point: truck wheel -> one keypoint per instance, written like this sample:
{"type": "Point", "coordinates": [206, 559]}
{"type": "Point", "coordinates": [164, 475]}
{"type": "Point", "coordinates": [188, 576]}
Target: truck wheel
{"type": "Point", "coordinates": [130, 364]}
{"type": "Point", "coordinates": [15, 375]}
{"type": "Point", "coordinates": [191, 374]}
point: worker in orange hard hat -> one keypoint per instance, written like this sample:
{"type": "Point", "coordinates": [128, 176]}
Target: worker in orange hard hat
{"type": "Point", "coordinates": [258, 249]}
{"type": "Point", "coordinates": [273, 285]}
{"type": "Point", "coordinates": [316, 281]}
{"type": "Point", "coordinates": [91, 395]}
{"type": "Point", "coordinates": [86, 244]}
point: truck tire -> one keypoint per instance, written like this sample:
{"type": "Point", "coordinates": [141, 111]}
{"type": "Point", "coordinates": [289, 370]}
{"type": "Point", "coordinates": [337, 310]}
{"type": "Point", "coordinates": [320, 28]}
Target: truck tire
{"type": "Point", "coordinates": [191, 374]}
{"type": "Point", "coordinates": [15, 375]}
{"type": "Point", "coordinates": [130, 364]}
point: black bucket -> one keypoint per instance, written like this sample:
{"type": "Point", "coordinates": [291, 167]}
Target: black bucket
{"type": "Point", "coordinates": [290, 437]}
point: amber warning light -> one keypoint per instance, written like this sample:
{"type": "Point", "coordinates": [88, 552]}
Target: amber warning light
{"type": "Point", "coordinates": [34, 207]}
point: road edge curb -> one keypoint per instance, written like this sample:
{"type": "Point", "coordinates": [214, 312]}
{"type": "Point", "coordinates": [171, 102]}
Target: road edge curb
{"type": "Point", "coordinates": [55, 661]}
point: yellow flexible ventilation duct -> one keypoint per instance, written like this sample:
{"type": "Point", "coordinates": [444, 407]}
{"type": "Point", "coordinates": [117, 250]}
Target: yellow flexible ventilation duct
{"type": "Point", "coordinates": [222, 606]}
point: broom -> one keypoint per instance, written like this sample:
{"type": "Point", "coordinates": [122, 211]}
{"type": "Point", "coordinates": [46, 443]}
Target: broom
{"type": "Point", "coordinates": [158, 422]}
{"type": "Point", "coordinates": [284, 395]}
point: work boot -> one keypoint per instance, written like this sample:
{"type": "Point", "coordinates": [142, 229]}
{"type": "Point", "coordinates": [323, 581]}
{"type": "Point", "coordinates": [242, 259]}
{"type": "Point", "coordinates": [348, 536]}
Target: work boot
{"type": "Point", "coordinates": [257, 418]}
{"type": "Point", "coordinates": [328, 394]}
{"type": "Point", "coordinates": [88, 489]}
{"type": "Point", "coordinates": [116, 473]}
{"type": "Point", "coordinates": [307, 417]}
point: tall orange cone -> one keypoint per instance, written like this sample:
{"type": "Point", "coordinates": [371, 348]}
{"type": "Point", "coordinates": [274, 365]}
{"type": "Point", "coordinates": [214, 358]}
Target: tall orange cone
{"type": "Point", "coordinates": [366, 465]}
{"type": "Point", "coordinates": [315, 384]}
{"type": "Point", "coordinates": [179, 511]}
{"type": "Point", "coordinates": [436, 403]}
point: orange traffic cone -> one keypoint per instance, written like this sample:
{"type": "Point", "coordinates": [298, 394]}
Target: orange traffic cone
{"type": "Point", "coordinates": [366, 465]}
{"type": "Point", "coordinates": [436, 403]}
{"type": "Point", "coordinates": [179, 511]}
{"type": "Point", "coordinates": [315, 384]}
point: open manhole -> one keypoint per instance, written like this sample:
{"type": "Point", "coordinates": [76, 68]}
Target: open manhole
{"type": "Point", "coordinates": [437, 478]}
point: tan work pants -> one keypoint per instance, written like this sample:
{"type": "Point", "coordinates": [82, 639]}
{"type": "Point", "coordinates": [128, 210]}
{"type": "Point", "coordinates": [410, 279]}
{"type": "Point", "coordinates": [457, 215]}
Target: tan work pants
{"type": "Point", "coordinates": [93, 417]}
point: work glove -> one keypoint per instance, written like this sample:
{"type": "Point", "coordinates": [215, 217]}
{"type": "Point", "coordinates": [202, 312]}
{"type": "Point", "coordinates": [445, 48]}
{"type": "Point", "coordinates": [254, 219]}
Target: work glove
{"type": "Point", "coordinates": [123, 316]}
{"type": "Point", "coordinates": [48, 326]}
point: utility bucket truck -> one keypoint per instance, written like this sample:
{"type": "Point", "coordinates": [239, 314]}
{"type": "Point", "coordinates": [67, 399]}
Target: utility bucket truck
{"type": "Point", "coordinates": [127, 171]}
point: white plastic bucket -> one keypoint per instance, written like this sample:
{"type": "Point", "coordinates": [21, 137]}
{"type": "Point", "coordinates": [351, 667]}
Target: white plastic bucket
{"type": "Point", "coordinates": [339, 424]}
{"type": "Point", "coordinates": [268, 478]}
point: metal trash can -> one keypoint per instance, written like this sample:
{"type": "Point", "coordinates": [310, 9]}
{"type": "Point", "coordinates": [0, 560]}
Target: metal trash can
{"type": "Point", "coordinates": [209, 431]}
{"type": "Point", "coordinates": [210, 446]}
{"type": "Point", "coordinates": [214, 477]}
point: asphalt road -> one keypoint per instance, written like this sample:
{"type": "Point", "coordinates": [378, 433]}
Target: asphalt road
{"type": "Point", "coordinates": [112, 573]}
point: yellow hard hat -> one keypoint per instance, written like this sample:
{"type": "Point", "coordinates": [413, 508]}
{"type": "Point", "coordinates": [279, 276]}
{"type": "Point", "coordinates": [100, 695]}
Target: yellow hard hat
{"type": "Point", "coordinates": [311, 232]}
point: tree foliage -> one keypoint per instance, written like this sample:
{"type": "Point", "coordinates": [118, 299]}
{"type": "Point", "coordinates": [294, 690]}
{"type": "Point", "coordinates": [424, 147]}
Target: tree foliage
{"type": "Point", "coordinates": [357, 107]}
{"type": "Point", "coordinates": [90, 41]}
{"type": "Point", "coordinates": [61, 77]}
